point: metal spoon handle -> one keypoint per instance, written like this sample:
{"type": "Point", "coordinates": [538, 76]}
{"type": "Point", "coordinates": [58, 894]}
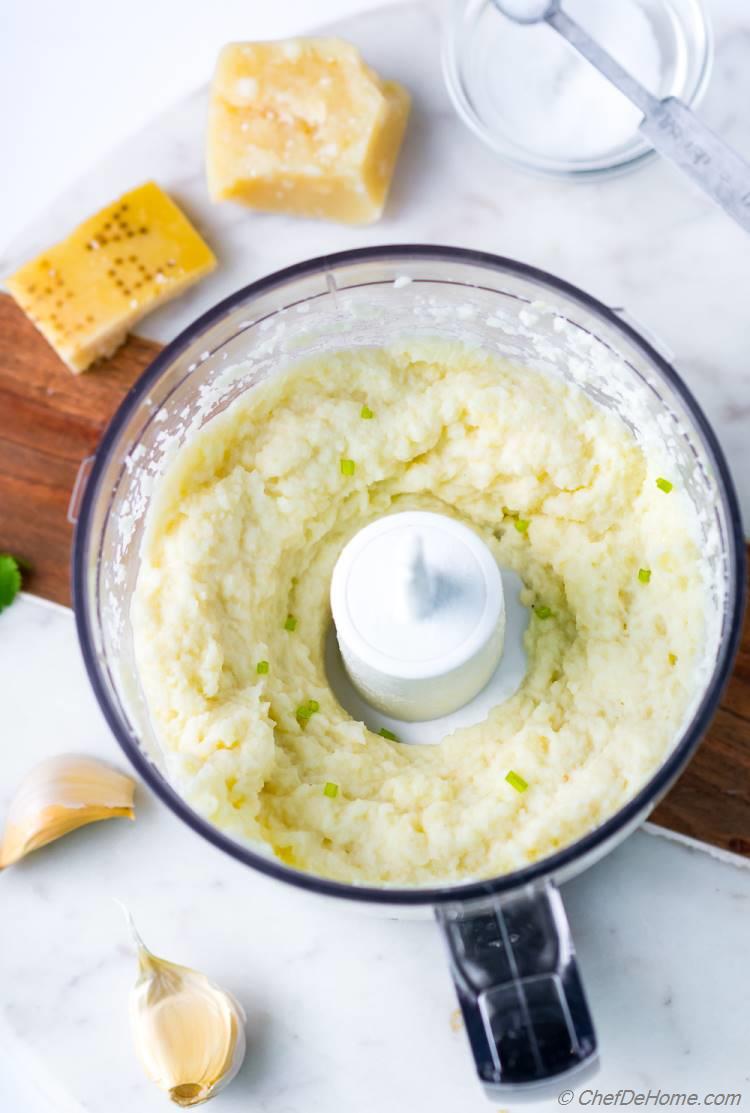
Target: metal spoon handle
{"type": "Point", "coordinates": [676, 133]}
{"type": "Point", "coordinates": [672, 129]}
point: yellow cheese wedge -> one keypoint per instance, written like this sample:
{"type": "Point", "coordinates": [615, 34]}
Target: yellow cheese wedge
{"type": "Point", "coordinates": [303, 127]}
{"type": "Point", "coordinates": [85, 293]}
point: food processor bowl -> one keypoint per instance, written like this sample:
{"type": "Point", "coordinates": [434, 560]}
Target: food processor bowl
{"type": "Point", "coordinates": [509, 946]}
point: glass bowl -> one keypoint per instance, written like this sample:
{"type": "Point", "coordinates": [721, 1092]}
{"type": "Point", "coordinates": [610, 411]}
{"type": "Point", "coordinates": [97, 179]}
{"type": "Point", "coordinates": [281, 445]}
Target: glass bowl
{"type": "Point", "coordinates": [479, 44]}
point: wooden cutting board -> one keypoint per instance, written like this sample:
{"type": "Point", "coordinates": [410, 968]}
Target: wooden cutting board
{"type": "Point", "coordinates": [51, 420]}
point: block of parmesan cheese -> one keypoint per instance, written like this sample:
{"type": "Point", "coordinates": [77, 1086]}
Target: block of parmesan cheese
{"type": "Point", "coordinates": [303, 126]}
{"type": "Point", "coordinates": [85, 293]}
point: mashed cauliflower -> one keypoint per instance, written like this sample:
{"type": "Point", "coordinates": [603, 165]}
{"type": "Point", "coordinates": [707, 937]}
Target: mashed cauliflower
{"type": "Point", "coordinates": [242, 540]}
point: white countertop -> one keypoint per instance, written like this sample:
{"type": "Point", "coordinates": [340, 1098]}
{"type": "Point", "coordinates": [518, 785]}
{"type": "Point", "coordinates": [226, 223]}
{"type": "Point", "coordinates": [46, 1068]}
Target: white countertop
{"type": "Point", "coordinates": [646, 241]}
{"type": "Point", "coordinates": [78, 78]}
{"type": "Point", "coordinates": [344, 1012]}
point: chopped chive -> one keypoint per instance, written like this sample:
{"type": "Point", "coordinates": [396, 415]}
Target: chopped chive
{"type": "Point", "coordinates": [385, 733]}
{"type": "Point", "coordinates": [516, 781]}
{"type": "Point", "coordinates": [366, 413]}
{"type": "Point", "coordinates": [673, 658]}
{"type": "Point", "coordinates": [331, 789]}
{"type": "Point", "coordinates": [306, 710]}
{"type": "Point", "coordinates": [521, 525]}
{"type": "Point", "coordinates": [644, 575]}
{"type": "Point", "coordinates": [664, 485]}
{"type": "Point", "coordinates": [347, 467]}
{"type": "Point", "coordinates": [543, 611]}
{"type": "Point", "coordinates": [291, 622]}
{"type": "Point", "coordinates": [262, 668]}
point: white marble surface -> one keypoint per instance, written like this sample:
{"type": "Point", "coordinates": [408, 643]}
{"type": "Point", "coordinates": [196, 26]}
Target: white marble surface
{"type": "Point", "coordinates": [158, 52]}
{"type": "Point", "coordinates": [348, 1013]}
{"type": "Point", "coordinates": [646, 241]}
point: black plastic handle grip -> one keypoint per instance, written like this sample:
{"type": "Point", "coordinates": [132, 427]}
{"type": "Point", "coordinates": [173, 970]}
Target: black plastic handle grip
{"type": "Point", "coordinates": [523, 1003]}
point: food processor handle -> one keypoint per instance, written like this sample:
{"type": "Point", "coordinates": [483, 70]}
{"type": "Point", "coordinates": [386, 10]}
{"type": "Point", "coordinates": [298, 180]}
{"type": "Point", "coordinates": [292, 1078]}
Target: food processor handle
{"type": "Point", "coordinates": [522, 999]}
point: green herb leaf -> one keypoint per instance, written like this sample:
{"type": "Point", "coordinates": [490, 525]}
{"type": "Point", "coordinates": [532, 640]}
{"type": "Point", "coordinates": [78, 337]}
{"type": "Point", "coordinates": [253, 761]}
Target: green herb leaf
{"type": "Point", "coordinates": [291, 622]}
{"type": "Point", "coordinates": [385, 733]}
{"type": "Point", "coordinates": [543, 611]}
{"type": "Point", "coordinates": [313, 705]}
{"type": "Point", "coordinates": [664, 485]}
{"type": "Point", "coordinates": [331, 789]}
{"type": "Point", "coordinates": [10, 580]}
{"type": "Point", "coordinates": [644, 575]}
{"type": "Point", "coordinates": [347, 467]}
{"type": "Point", "coordinates": [262, 668]}
{"type": "Point", "coordinates": [516, 781]}
{"type": "Point", "coordinates": [366, 413]}
{"type": "Point", "coordinates": [521, 525]}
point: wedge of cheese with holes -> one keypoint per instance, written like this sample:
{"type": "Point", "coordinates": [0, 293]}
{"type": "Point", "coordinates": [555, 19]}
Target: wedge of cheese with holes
{"type": "Point", "coordinates": [303, 127]}
{"type": "Point", "coordinates": [86, 293]}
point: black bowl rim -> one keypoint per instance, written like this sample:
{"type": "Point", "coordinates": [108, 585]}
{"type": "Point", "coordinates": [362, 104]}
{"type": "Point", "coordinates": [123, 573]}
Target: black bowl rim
{"type": "Point", "coordinates": [563, 860]}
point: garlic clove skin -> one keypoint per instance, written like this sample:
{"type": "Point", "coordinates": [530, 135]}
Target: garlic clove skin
{"type": "Point", "coordinates": [189, 1034]}
{"type": "Point", "coordinates": [60, 795]}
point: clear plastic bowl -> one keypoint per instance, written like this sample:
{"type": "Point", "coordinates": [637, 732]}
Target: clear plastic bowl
{"type": "Point", "coordinates": [476, 36]}
{"type": "Point", "coordinates": [508, 941]}
{"type": "Point", "coordinates": [361, 298]}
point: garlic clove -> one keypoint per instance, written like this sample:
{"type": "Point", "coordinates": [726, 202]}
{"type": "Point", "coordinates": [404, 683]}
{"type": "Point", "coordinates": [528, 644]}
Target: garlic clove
{"type": "Point", "coordinates": [189, 1034]}
{"type": "Point", "coordinates": [59, 795]}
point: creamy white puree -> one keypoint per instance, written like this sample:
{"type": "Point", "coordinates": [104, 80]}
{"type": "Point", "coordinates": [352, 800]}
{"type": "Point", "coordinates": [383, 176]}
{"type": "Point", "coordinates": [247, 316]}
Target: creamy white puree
{"type": "Point", "coordinates": [246, 527]}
